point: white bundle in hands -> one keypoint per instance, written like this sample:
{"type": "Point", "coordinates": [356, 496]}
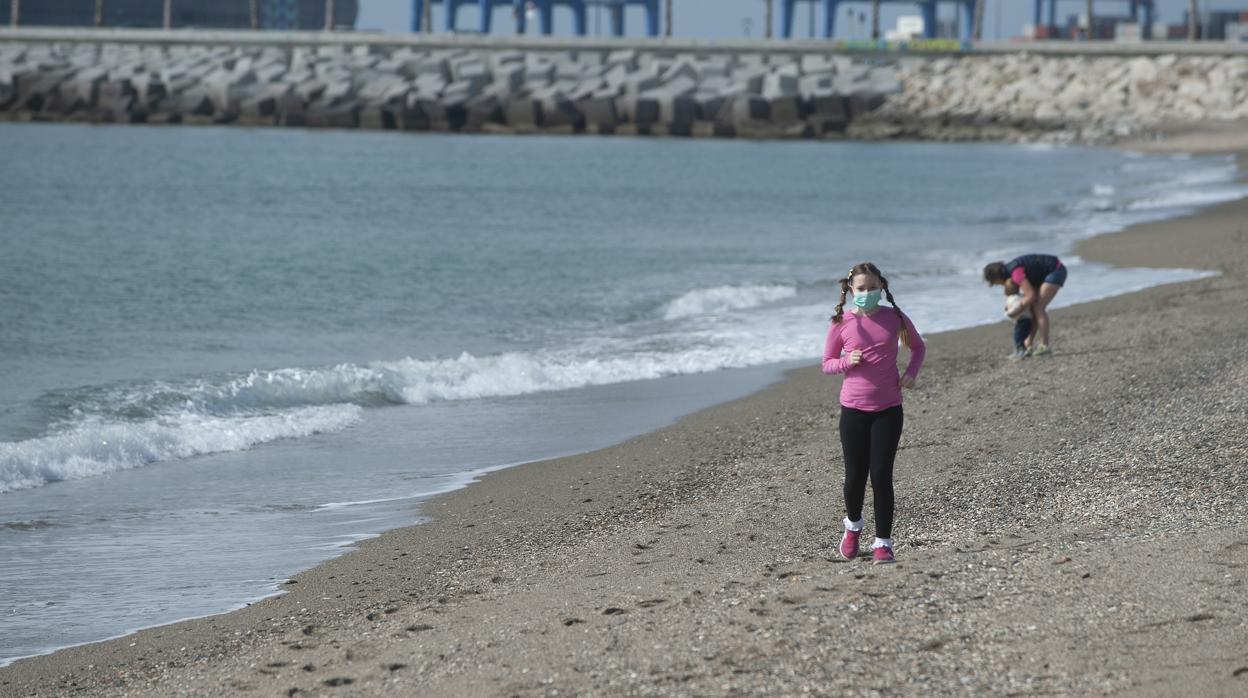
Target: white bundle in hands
{"type": "Point", "coordinates": [1012, 302]}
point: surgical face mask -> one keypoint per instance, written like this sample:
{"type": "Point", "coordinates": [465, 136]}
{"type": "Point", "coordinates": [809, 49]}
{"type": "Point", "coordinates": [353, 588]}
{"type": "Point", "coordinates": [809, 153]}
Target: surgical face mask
{"type": "Point", "coordinates": [869, 300]}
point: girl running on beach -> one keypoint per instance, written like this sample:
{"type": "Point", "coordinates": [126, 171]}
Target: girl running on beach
{"type": "Point", "coordinates": [862, 344]}
{"type": "Point", "coordinates": [1039, 277]}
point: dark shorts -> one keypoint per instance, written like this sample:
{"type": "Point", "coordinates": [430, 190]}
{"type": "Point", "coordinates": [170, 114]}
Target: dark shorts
{"type": "Point", "coordinates": [1057, 277]}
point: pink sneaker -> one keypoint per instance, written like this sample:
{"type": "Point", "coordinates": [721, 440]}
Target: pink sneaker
{"type": "Point", "coordinates": [849, 544]}
{"type": "Point", "coordinates": [883, 555]}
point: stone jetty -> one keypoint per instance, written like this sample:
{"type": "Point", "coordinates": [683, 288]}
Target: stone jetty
{"type": "Point", "coordinates": [619, 89]}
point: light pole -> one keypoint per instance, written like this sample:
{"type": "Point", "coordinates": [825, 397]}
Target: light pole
{"type": "Point", "coordinates": [1191, 21]}
{"type": "Point", "coordinates": [329, 15]}
{"type": "Point", "coordinates": [875, 19]}
{"type": "Point", "coordinates": [667, 19]}
{"type": "Point", "coordinates": [167, 19]}
{"type": "Point", "coordinates": [977, 26]}
{"type": "Point", "coordinates": [99, 13]}
{"type": "Point", "coordinates": [427, 21]}
{"type": "Point", "coordinates": [767, 21]}
{"type": "Point", "coordinates": [1091, 22]}
{"type": "Point", "coordinates": [254, 6]}
{"type": "Point", "coordinates": [15, 10]}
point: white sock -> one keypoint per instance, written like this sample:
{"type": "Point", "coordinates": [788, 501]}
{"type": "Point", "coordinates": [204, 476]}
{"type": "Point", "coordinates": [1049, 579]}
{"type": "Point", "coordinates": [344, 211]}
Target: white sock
{"type": "Point", "coordinates": [882, 543]}
{"type": "Point", "coordinates": [853, 525]}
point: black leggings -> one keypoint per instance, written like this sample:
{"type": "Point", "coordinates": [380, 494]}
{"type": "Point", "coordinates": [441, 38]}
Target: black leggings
{"type": "Point", "coordinates": [869, 441]}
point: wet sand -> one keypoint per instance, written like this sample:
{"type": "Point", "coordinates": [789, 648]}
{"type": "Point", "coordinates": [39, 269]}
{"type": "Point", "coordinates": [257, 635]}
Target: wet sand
{"type": "Point", "coordinates": [1071, 525]}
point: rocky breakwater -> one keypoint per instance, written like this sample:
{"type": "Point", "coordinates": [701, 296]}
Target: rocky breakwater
{"type": "Point", "coordinates": [1059, 98]}
{"type": "Point", "coordinates": [471, 90]}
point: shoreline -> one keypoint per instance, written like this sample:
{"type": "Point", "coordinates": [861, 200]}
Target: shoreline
{"type": "Point", "coordinates": [658, 476]}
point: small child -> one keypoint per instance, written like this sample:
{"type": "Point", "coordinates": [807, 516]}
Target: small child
{"type": "Point", "coordinates": [1023, 326]}
{"type": "Point", "coordinates": [862, 346]}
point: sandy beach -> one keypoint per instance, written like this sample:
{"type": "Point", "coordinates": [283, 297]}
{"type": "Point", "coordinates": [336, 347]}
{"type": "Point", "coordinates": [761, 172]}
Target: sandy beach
{"type": "Point", "coordinates": [1071, 525]}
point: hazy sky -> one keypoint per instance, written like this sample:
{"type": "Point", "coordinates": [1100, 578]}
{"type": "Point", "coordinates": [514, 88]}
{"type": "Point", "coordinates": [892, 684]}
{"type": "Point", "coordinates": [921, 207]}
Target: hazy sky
{"type": "Point", "coordinates": [727, 18]}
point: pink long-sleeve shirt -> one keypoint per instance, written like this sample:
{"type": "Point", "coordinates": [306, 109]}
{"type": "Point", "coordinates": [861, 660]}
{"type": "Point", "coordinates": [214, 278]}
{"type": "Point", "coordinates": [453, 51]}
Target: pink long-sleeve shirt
{"type": "Point", "coordinates": [873, 384]}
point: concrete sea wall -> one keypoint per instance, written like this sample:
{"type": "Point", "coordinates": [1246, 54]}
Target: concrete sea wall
{"type": "Point", "coordinates": [805, 90]}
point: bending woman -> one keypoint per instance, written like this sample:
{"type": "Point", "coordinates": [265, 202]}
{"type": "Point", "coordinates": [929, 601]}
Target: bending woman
{"type": "Point", "coordinates": [1039, 278]}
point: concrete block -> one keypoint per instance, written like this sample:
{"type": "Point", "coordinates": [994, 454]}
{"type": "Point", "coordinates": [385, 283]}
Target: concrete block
{"type": "Point", "coordinates": [461, 91]}
{"type": "Point", "coordinates": [568, 69]}
{"type": "Point", "coordinates": [192, 101]}
{"type": "Point", "coordinates": [680, 69]}
{"type": "Point", "coordinates": [598, 111]}
{"type": "Point", "coordinates": [411, 117]}
{"type": "Point", "coordinates": [332, 116]}
{"type": "Point", "coordinates": [114, 99]}
{"type": "Point", "coordinates": [681, 85]}
{"type": "Point", "coordinates": [640, 111]}
{"type": "Point", "coordinates": [818, 63]}
{"type": "Point", "coordinates": [482, 110]}
{"type": "Point", "coordinates": [376, 118]}
{"type": "Point", "coordinates": [776, 85]}
{"type": "Point", "coordinates": [499, 59]}
{"type": "Point", "coordinates": [639, 82]}
{"type": "Point", "coordinates": [265, 104]}
{"type": "Point", "coordinates": [149, 88]}
{"type": "Point", "coordinates": [675, 100]}
{"type": "Point", "coordinates": [36, 88]}
{"type": "Point", "coordinates": [585, 89]}
{"type": "Point", "coordinates": [786, 110]}
{"type": "Point", "coordinates": [431, 85]}
{"type": "Point", "coordinates": [829, 105]}
{"type": "Point", "coordinates": [524, 114]}
{"type": "Point", "coordinates": [752, 61]}
{"type": "Point", "coordinates": [606, 92]}
{"type": "Point", "coordinates": [863, 102]}
{"type": "Point", "coordinates": [82, 87]}
{"type": "Point", "coordinates": [816, 83]}
{"type": "Point", "coordinates": [310, 90]}
{"type": "Point", "coordinates": [413, 69]}
{"type": "Point", "coordinates": [786, 66]}
{"type": "Point", "coordinates": [710, 104]}
{"type": "Point", "coordinates": [339, 92]}
{"type": "Point", "coordinates": [510, 75]}
{"type": "Point", "coordinates": [539, 72]}
{"type": "Point", "coordinates": [752, 78]}
{"type": "Point", "coordinates": [272, 72]}
{"type": "Point", "coordinates": [847, 84]}
{"type": "Point", "coordinates": [617, 75]}
{"type": "Point", "coordinates": [623, 57]}
{"type": "Point", "coordinates": [384, 89]}
{"type": "Point", "coordinates": [712, 129]}
{"type": "Point", "coordinates": [560, 113]}
{"type": "Point", "coordinates": [469, 69]}
{"type": "Point", "coordinates": [714, 68]}
{"type": "Point", "coordinates": [744, 109]}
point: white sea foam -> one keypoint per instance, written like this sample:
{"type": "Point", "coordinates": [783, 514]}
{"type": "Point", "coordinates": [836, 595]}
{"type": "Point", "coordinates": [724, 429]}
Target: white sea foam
{"type": "Point", "coordinates": [94, 448]}
{"type": "Point", "coordinates": [710, 301]}
{"type": "Point", "coordinates": [1186, 198]}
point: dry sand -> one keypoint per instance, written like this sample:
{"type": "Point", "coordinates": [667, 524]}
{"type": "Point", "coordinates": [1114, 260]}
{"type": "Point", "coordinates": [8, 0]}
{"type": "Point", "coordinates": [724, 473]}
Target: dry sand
{"type": "Point", "coordinates": [1072, 525]}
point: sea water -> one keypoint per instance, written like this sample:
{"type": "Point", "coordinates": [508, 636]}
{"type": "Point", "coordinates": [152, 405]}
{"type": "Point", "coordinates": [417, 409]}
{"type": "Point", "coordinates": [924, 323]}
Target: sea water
{"type": "Point", "coordinates": [225, 354]}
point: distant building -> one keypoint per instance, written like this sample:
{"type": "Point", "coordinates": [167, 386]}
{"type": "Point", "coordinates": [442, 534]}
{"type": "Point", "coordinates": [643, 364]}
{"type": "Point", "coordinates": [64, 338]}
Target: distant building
{"type": "Point", "coordinates": [208, 14]}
